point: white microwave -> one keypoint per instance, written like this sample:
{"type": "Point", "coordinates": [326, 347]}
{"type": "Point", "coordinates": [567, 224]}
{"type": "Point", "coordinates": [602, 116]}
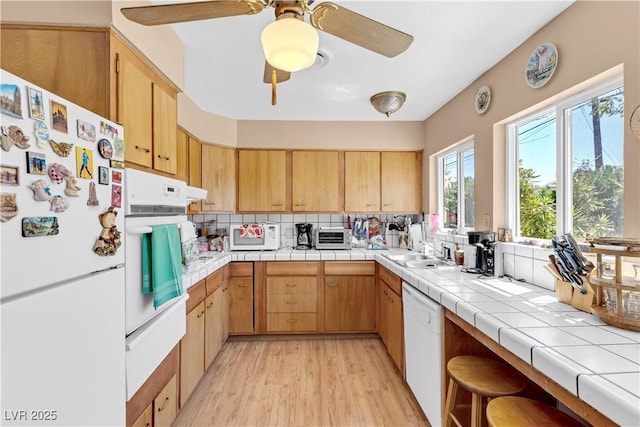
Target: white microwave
{"type": "Point", "coordinates": [267, 240]}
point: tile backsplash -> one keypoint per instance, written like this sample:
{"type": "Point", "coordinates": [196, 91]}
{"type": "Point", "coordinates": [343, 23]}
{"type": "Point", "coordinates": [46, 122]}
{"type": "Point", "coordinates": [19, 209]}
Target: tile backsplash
{"type": "Point", "coordinates": [287, 222]}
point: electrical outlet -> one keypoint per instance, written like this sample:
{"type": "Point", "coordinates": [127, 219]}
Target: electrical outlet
{"type": "Point", "coordinates": [486, 221]}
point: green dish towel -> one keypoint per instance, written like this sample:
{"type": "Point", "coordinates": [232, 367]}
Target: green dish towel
{"type": "Point", "coordinates": [161, 263]}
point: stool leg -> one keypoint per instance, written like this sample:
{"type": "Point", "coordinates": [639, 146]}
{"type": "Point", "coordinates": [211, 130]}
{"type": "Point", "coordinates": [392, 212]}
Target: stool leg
{"type": "Point", "coordinates": [476, 410]}
{"type": "Point", "coordinates": [450, 403]}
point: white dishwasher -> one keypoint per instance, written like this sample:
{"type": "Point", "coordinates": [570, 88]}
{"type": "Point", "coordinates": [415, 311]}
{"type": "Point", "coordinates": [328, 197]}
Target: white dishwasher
{"type": "Point", "coordinates": [422, 351]}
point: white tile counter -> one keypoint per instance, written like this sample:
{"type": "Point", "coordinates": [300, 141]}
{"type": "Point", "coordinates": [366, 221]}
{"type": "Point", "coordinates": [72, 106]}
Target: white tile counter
{"type": "Point", "coordinates": [594, 361]}
{"type": "Point", "coordinates": [598, 363]}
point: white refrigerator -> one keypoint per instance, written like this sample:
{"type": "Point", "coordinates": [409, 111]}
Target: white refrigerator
{"type": "Point", "coordinates": [62, 261]}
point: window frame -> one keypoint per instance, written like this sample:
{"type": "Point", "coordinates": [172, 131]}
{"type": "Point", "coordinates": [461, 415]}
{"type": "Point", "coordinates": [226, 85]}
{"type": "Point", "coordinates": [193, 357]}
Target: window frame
{"type": "Point", "coordinates": [564, 177]}
{"type": "Point", "coordinates": [459, 151]}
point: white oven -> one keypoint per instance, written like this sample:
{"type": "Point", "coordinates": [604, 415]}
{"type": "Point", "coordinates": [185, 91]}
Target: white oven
{"type": "Point", "coordinates": [150, 332]}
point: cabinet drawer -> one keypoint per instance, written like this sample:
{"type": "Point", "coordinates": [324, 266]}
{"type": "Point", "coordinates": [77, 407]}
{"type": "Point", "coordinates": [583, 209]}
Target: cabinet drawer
{"type": "Point", "coordinates": [213, 282]}
{"type": "Point", "coordinates": [291, 322]}
{"type": "Point", "coordinates": [394, 282]}
{"type": "Point", "coordinates": [292, 303]}
{"type": "Point", "coordinates": [241, 269]}
{"type": "Point", "coordinates": [291, 285]}
{"type": "Point", "coordinates": [293, 268]}
{"type": "Point", "coordinates": [197, 294]}
{"type": "Point", "coordinates": [350, 268]}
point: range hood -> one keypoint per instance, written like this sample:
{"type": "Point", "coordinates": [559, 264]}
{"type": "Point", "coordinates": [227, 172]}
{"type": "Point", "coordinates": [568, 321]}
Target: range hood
{"type": "Point", "coordinates": [194, 194]}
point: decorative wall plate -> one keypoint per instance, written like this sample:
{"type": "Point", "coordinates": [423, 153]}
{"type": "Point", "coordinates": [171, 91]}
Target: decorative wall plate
{"type": "Point", "coordinates": [541, 65]}
{"type": "Point", "coordinates": [482, 99]}
{"type": "Point", "coordinates": [105, 148]}
{"type": "Point", "coordinates": [634, 122]}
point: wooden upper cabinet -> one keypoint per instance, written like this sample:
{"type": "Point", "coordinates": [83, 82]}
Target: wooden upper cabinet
{"type": "Point", "coordinates": [262, 178]}
{"type": "Point", "coordinates": [70, 62]}
{"type": "Point", "coordinates": [135, 111]}
{"type": "Point", "coordinates": [147, 107]}
{"type": "Point", "coordinates": [316, 181]}
{"type": "Point", "coordinates": [165, 111]}
{"type": "Point", "coordinates": [182, 151]}
{"type": "Point", "coordinates": [362, 181]}
{"type": "Point", "coordinates": [218, 175]}
{"type": "Point", "coordinates": [401, 178]}
{"type": "Point", "coordinates": [195, 170]}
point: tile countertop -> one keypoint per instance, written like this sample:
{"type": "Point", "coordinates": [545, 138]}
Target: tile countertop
{"type": "Point", "coordinates": [594, 361]}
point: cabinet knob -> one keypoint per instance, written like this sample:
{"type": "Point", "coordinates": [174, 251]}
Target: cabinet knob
{"type": "Point", "coordinates": [298, 204]}
{"type": "Point", "coordinates": [243, 286]}
{"type": "Point", "coordinates": [276, 204]}
{"type": "Point", "coordinates": [209, 203]}
{"type": "Point", "coordinates": [291, 285]}
{"type": "Point", "coordinates": [162, 157]}
{"type": "Point", "coordinates": [333, 285]}
{"type": "Point", "coordinates": [292, 320]}
{"type": "Point", "coordinates": [388, 204]}
{"type": "Point", "coordinates": [292, 302]}
{"type": "Point", "coordinates": [164, 404]}
{"type": "Point", "coordinates": [370, 204]}
{"type": "Point", "coordinates": [137, 147]}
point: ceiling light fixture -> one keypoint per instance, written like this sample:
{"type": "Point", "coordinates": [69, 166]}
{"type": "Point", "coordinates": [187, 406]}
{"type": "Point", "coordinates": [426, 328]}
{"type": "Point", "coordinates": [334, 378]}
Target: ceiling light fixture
{"type": "Point", "coordinates": [388, 102]}
{"type": "Point", "coordinates": [289, 43]}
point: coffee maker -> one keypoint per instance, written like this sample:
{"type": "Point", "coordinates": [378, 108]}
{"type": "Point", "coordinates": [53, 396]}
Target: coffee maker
{"type": "Point", "coordinates": [303, 238]}
{"type": "Point", "coordinates": [484, 241]}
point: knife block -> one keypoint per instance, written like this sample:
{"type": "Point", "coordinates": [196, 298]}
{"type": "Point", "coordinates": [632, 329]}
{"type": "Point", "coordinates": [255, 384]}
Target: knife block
{"type": "Point", "coordinates": [567, 294]}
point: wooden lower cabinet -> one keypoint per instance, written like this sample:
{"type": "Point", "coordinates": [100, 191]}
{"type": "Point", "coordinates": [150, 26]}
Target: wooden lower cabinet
{"type": "Point", "coordinates": [213, 329]}
{"type": "Point", "coordinates": [145, 419]}
{"type": "Point", "coordinates": [349, 296]}
{"type": "Point", "coordinates": [390, 318]}
{"type": "Point", "coordinates": [241, 298]}
{"type": "Point", "coordinates": [165, 405]}
{"type": "Point", "coordinates": [292, 300]}
{"type": "Point", "coordinates": [192, 352]}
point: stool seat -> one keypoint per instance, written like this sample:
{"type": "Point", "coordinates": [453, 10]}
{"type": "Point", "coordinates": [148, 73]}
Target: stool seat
{"type": "Point", "coordinates": [485, 378]}
{"type": "Point", "coordinates": [512, 411]}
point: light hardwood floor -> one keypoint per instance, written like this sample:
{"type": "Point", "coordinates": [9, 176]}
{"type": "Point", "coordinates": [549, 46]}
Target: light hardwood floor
{"type": "Point", "coordinates": [302, 382]}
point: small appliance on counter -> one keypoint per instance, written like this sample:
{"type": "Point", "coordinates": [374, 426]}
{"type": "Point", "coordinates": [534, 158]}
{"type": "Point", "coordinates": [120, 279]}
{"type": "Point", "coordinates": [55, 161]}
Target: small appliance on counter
{"type": "Point", "coordinates": [484, 241]}
{"type": "Point", "coordinates": [254, 237]}
{"type": "Point", "coordinates": [304, 239]}
{"type": "Point", "coordinates": [333, 238]}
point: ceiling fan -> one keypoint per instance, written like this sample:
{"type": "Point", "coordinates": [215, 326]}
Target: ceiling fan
{"type": "Point", "coordinates": [284, 52]}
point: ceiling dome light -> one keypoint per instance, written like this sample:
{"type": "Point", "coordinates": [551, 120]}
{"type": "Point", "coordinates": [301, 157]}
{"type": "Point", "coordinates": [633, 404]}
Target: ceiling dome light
{"type": "Point", "coordinates": [289, 43]}
{"type": "Point", "coordinates": [388, 102]}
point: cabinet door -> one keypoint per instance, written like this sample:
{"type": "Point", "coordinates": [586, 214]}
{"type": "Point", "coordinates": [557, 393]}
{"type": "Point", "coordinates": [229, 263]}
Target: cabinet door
{"type": "Point", "coordinates": [401, 177]}
{"type": "Point", "coordinates": [225, 311]}
{"type": "Point", "coordinates": [166, 404]}
{"type": "Point", "coordinates": [240, 305]}
{"type": "Point", "coordinates": [192, 352]}
{"type": "Point", "coordinates": [395, 345]}
{"type": "Point", "coordinates": [164, 130]}
{"type": "Point", "coordinates": [218, 178]}
{"type": "Point", "coordinates": [195, 176]}
{"type": "Point", "coordinates": [135, 111]}
{"type": "Point", "coordinates": [262, 178]}
{"type": "Point", "coordinates": [213, 326]}
{"type": "Point", "coordinates": [315, 181]}
{"type": "Point", "coordinates": [383, 309]}
{"type": "Point", "coordinates": [349, 303]}
{"type": "Point", "coordinates": [182, 156]}
{"type": "Point", "coordinates": [145, 419]}
{"type": "Point", "coordinates": [362, 181]}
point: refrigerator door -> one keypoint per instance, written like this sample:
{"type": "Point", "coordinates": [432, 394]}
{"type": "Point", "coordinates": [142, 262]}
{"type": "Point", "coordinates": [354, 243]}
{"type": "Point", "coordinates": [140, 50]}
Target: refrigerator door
{"type": "Point", "coordinates": [63, 359]}
{"type": "Point", "coordinates": [29, 263]}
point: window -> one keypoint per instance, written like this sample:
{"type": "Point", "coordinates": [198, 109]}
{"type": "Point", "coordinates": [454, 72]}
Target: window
{"type": "Point", "coordinates": [566, 167]}
{"type": "Point", "coordinates": [456, 205]}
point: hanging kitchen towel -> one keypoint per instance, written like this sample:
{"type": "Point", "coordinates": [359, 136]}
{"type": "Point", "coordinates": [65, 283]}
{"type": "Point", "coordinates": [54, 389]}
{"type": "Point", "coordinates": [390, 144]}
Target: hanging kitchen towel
{"type": "Point", "coordinates": [251, 231]}
{"type": "Point", "coordinates": [189, 243]}
{"type": "Point", "coordinates": [161, 270]}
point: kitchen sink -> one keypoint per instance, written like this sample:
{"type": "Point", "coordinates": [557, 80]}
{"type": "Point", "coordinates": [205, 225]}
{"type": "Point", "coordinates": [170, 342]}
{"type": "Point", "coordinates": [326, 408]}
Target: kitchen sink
{"type": "Point", "coordinates": [418, 261]}
{"type": "Point", "coordinates": [408, 257]}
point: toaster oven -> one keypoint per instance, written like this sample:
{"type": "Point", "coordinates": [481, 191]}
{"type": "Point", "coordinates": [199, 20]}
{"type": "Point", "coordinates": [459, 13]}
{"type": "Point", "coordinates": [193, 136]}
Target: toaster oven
{"type": "Point", "coordinates": [333, 238]}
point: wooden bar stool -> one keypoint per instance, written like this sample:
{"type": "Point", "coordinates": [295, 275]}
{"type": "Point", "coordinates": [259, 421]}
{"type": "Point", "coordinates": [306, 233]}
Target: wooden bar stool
{"type": "Point", "coordinates": [512, 411]}
{"type": "Point", "coordinates": [484, 378]}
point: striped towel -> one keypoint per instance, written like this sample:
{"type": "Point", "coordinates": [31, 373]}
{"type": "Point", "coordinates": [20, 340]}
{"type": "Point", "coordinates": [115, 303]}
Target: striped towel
{"type": "Point", "coordinates": [161, 263]}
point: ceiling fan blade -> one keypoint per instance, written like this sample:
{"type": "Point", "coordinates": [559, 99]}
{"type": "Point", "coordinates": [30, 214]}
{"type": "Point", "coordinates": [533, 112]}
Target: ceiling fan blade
{"type": "Point", "coordinates": [281, 76]}
{"type": "Point", "coordinates": [184, 12]}
{"type": "Point", "coordinates": [358, 29]}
